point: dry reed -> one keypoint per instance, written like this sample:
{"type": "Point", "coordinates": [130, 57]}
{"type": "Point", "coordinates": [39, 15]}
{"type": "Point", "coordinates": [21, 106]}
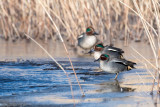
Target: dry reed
{"type": "Point", "coordinates": [114, 19]}
{"type": "Point", "coordinates": [147, 25]}
{"type": "Point", "coordinates": [70, 83]}
{"type": "Point", "coordinates": [60, 36]}
{"type": "Point", "coordinates": [73, 16]}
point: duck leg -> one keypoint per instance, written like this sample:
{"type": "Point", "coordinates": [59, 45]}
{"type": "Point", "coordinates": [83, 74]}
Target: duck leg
{"type": "Point", "coordinates": [99, 70]}
{"type": "Point", "coordinates": [116, 76]}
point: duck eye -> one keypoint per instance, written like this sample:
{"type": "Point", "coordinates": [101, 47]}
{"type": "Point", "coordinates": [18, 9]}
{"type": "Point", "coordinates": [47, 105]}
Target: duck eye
{"type": "Point", "coordinates": [88, 30]}
{"type": "Point", "coordinates": [100, 45]}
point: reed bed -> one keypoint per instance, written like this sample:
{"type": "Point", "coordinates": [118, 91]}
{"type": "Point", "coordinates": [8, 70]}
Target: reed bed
{"type": "Point", "coordinates": [110, 18]}
{"type": "Point", "coordinates": [127, 20]}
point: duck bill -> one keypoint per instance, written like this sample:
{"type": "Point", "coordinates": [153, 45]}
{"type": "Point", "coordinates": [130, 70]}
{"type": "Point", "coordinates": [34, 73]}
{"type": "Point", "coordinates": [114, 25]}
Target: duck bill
{"type": "Point", "coordinates": [91, 51]}
{"type": "Point", "coordinates": [95, 33]}
{"type": "Point", "coordinates": [96, 60]}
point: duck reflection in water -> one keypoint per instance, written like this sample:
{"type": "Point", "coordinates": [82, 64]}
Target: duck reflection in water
{"type": "Point", "coordinates": [112, 87]}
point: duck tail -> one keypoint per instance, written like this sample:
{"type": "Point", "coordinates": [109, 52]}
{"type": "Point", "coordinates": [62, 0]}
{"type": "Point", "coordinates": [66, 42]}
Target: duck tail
{"type": "Point", "coordinates": [129, 68]}
{"type": "Point", "coordinates": [131, 65]}
{"type": "Point", "coordinates": [121, 56]}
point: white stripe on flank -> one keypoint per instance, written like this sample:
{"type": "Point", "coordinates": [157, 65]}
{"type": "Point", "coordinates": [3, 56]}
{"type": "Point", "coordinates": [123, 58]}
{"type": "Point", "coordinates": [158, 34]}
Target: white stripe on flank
{"type": "Point", "coordinates": [80, 36]}
{"type": "Point", "coordinates": [111, 49]}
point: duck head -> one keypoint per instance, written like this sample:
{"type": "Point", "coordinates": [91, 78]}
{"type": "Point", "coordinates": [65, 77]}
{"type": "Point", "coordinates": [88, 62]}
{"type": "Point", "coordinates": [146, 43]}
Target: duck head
{"type": "Point", "coordinates": [99, 47]}
{"type": "Point", "coordinates": [104, 57]}
{"type": "Point", "coordinates": [90, 31]}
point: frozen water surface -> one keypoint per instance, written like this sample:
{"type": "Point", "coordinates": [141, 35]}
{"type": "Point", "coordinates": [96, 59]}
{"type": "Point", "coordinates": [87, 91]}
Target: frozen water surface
{"type": "Point", "coordinates": [38, 81]}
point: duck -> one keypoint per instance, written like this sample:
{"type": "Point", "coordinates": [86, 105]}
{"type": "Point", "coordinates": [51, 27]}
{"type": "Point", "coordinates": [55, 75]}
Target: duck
{"type": "Point", "coordinates": [100, 49]}
{"type": "Point", "coordinates": [115, 65]}
{"type": "Point", "coordinates": [88, 39]}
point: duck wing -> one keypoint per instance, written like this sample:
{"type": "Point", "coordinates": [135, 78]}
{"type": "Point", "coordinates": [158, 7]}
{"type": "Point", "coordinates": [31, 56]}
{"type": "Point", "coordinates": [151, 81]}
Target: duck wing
{"type": "Point", "coordinates": [120, 61]}
{"type": "Point", "coordinates": [114, 49]}
{"type": "Point", "coordinates": [125, 62]}
{"type": "Point", "coordinates": [81, 36]}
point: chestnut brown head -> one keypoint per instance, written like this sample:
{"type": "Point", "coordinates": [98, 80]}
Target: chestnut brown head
{"type": "Point", "coordinates": [90, 31]}
{"type": "Point", "coordinates": [99, 47]}
{"type": "Point", "coordinates": [104, 57]}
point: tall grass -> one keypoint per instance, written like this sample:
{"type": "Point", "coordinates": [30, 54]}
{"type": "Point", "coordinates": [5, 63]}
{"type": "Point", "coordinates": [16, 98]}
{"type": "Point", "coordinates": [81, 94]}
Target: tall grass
{"type": "Point", "coordinates": [60, 36]}
{"type": "Point", "coordinates": [69, 80]}
{"type": "Point", "coordinates": [111, 18]}
{"type": "Point", "coordinates": [137, 20]}
{"type": "Point", "coordinates": [149, 27]}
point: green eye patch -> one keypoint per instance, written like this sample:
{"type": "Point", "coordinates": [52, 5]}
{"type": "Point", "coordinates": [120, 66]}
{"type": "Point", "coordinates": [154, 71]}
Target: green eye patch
{"type": "Point", "coordinates": [88, 30]}
{"type": "Point", "coordinates": [106, 55]}
{"type": "Point", "coordinates": [100, 45]}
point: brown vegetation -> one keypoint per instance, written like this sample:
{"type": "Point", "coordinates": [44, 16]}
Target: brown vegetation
{"type": "Point", "coordinates": [109, 17]}
{"type": "Point", "coordinates": [114, 19]}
